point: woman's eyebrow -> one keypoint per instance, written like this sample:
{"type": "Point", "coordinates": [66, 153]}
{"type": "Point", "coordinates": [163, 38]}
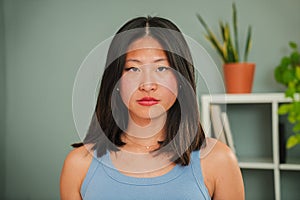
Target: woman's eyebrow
{"type": "Point", "coordinates": [160, 59]}
{"type": "Point", "coordinates": [138, 61]}
{"type": "Point", "coordinates": [133, 60]}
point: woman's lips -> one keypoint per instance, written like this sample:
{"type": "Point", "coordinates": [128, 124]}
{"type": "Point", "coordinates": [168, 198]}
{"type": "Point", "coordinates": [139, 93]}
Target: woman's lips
{"type": "Point", "coordinates": [147, 101]}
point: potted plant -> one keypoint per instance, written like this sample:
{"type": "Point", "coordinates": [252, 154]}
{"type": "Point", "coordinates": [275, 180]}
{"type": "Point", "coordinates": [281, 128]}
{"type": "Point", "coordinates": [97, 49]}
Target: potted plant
{"type": "Point", "coordinates": [238, 73]}
{"type": "Point", "coordinates": [288, 74]}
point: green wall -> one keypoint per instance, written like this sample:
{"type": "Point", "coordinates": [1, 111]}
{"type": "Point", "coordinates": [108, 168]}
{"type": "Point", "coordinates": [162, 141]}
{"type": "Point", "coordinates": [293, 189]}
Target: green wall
{"type": "Point", "coordinates": [2, 103]}
{"type": "Point", "coordinates": [45, 43]}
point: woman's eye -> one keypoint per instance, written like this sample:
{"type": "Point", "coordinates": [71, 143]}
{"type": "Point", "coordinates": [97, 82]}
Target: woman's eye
{"type": "Point", "coordinates": [132, 69]}
{"type": "Point", "coordinates": [162, 68]}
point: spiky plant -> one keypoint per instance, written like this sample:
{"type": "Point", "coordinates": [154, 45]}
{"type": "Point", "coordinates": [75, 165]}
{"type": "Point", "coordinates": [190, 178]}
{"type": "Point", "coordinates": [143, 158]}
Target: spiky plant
{"type": "Point", "coordinates": [228, 47]}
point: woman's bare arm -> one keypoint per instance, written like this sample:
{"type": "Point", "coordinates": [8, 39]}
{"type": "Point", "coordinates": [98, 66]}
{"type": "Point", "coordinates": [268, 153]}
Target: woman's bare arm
{"type": "Point", "coordinates": [221, 173]}
{"type": "Point", "coordinates": [73, 172]}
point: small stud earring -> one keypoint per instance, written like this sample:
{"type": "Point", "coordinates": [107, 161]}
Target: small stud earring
{"type": "Point", "coordinates": [118, 89]}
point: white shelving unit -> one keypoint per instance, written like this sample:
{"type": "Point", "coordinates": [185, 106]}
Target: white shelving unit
{"type": "Point", "coordinates": [272, 163]}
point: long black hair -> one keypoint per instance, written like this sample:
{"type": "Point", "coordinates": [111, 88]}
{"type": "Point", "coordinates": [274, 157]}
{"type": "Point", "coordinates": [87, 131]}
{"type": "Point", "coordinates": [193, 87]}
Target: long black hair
{"type": "Point", "coordinates": [184, 133]}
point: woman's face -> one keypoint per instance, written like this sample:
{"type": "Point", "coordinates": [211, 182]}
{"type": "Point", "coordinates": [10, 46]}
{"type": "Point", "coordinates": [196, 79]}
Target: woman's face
{"type": "Point", "coordinates": [148, 85]}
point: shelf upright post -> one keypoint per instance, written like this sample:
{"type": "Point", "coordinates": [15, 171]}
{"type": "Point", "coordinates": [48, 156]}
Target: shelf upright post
{"type": "Point", "coordinates": [205, 115]}
{"type": "Point", "coordinates": [275, 137]}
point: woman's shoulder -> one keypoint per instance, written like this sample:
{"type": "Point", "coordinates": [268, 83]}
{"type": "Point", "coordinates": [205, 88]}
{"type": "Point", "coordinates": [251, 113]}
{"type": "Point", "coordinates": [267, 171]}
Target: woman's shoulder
{"type": "Point", "coordinates": [74, 170]}
{"type": "Point", "coordinates": [221, 170]}
{"type": "Point", "coordinates": [217, 152]}
{"type": "Point", "coordinates": [80, 157]}
{"type": "Point", "coordinates": [77, 162]}
{"type": "Point", "coordinates": [82, 151]}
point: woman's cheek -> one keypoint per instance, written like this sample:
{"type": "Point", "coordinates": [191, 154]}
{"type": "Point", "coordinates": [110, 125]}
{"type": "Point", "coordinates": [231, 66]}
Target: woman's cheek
{"type": "Point", "coordinates": [170, 83]}
{"type": "Point", "coordinates": [127, 88]}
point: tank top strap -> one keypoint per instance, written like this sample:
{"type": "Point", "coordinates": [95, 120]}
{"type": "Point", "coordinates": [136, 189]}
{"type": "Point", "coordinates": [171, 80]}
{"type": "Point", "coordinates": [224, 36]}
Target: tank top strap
{"type": "Point", "coordinates": [197, 173]}
{"type": "Point", "coordinates": [91, 171]}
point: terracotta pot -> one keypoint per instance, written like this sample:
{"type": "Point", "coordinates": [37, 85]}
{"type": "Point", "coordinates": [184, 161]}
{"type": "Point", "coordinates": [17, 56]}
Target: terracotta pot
{"type": "Point", "coordinates": [238, 77]}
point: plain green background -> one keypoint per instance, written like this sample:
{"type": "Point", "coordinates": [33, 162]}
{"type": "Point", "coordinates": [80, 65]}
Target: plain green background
{"type": "Point", "coordinates": [43, 43]}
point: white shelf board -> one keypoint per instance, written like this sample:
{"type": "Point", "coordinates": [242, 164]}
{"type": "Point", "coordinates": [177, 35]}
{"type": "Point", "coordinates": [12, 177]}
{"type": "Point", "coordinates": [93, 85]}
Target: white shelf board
{"type": "Point", "coordinates": [295, 167]}
{"type": "Point", "coordinates": [291, 164]}
{"type": "Point", "coordinates": [245, 98]}
{"type": "Point", "coordinates": [256, 163]}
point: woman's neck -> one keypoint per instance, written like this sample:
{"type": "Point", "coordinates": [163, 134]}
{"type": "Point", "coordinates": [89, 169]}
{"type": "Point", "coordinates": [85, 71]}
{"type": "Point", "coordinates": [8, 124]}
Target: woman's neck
{"type": "Point", "coordinates": [143, 144]}
{"type": "Point", "coordinates": [146, 128]}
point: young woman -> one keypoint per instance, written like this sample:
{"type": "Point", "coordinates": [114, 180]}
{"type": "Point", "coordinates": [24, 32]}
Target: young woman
{"type": "Point", "coordinates": [145, 140]}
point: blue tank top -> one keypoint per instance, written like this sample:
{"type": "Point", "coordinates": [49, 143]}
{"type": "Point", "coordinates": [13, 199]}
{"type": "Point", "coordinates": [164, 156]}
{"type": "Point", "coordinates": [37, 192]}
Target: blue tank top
{"type": "Point", "coordinates": [106, 182]}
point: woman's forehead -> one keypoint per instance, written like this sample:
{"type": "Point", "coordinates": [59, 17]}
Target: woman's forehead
{"type": "Point", "coordinates": [141, 56]}
{"type": "Point", "coordinates": [146, 42]}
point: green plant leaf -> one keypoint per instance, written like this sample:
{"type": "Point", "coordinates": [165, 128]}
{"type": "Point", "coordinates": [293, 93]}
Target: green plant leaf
{"type": "Point", "coordinates": [231, 52]}
{"type": "Point", "coordinates": [293, 45]}
{"type": "Point", "coordinates": [297, 72]}
{"type": "Point", "coordinates": [212, 38]}
{"type": "Point", "coordinates": [291, 118]}
{"type": "Point", "coordinates": [292, 141]}
{"type": "Point", "coordinates": [248, 43]}
{"type": "Point", "coordinates": [222, 28]}
{"type": "Point", "coordinates": [284, 109]}
{"type": "Point", "coordinates": [290, 91]}
{"type": "Point", "coordinates": [278, 73]}
{"type": "Point", "coordinates": [288, 76]}
{"type": "Point", "coordinates": [296, 128]}
{"type": "Point", "coordinates": [218, 47]}
{"type": "Point", "coordinates": [298, 118]}
{"type": "Point", "coordinates": [297, 87]}
{"type": "Point", "coordinates": [285, 62]}
{"type": "Point", "coordinates": [295, 58]}
{"type": "Point", "coordinates": [296, 107]}
{"type": "Point", "coordinates": [235, 31]}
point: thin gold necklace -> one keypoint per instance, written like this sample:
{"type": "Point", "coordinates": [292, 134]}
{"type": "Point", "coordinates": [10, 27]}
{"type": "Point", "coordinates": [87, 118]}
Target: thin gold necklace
{"type": "Point", "coordinates": [148, 147]}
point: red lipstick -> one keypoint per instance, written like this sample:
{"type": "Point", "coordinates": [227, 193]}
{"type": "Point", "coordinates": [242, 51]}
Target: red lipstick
{"type": "Point", "coordinates": [147, 101]}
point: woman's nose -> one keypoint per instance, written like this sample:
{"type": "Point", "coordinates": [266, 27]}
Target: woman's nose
{"type": "Point", "coordinates": [148, 86]}
{"type": "Point", "coordinates": [148, 82]}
